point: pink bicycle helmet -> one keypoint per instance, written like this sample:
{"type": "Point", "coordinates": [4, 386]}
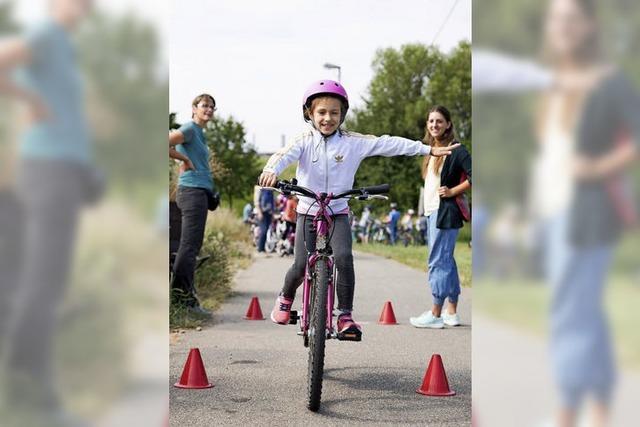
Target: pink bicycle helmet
{"type": "Point", "coordinates": [324, 87]}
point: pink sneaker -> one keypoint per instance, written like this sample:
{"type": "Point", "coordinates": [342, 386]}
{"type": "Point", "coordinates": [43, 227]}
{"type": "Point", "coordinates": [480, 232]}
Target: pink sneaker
{"type": "Point", "coordinates": [282, 310]}
{"type": "Point", "coordinates": [348, 329]}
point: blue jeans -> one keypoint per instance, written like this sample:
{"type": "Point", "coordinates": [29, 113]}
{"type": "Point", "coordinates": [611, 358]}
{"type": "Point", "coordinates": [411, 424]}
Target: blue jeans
{"type": "Point", "coordinates": [393, 233]}
{"type": "Point", "coordinates": [580, 343]}
{"type": "Point", "coordinates": [265, 223]}
{"type": "Point", "coordinates": [443, 271]}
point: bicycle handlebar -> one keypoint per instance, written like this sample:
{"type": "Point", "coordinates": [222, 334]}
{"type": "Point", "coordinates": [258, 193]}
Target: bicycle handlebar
{"type": "Point", "coordinates": [365, 191]}
{"type": "Point", "coordinates": [288, 187]}
{"type": "Point", "coordinates": [361, 193]}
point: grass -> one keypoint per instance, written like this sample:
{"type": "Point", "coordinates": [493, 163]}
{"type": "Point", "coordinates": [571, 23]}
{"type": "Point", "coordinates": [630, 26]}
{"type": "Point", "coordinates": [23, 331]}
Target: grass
{"type": "Point", "coordinates": [416, 257]}
{"type": "Point", "coordinates": [526, 304]}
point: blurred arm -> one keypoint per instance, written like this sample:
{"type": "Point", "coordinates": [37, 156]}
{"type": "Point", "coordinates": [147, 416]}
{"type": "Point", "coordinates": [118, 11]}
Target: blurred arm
{"type": "Point", "coordinates": [626, 104]}
{"type": "Point", "coordinates": [15, 52]}
{"type": "Point", "coordinates": [497, 72]}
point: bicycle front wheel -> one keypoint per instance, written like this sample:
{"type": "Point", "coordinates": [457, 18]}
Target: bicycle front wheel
{"type": "Point", "coordinates": [317, 332]}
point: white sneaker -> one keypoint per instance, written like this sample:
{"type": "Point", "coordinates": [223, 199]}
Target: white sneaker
{"type": "Point", "coordinates": [427, 320]}
{"type": "Point", "coordinates": [450, 319]}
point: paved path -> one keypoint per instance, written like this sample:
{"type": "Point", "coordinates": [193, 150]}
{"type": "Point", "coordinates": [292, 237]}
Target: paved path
{"type": "Point", "coordinates": [259, 368]}
{"type": "Point", "coordinates": [512, 382]}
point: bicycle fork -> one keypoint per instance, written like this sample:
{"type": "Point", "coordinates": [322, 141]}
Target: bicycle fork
{"type": "Point", "coordinates": [306, 297]}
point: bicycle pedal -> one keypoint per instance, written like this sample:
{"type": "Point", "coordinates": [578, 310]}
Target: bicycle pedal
{"type": "Point", "coordinates": [350, 335]}
{"type": "Point", "coordinates": [293, 317]}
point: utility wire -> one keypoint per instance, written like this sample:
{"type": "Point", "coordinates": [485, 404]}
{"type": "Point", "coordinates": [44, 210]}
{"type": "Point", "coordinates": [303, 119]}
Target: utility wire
{"type": "Point", "coordinates": [444, 22]}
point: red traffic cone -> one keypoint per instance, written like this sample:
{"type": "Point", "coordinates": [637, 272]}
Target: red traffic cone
{"type": "Point", "coordinates": [193, 374]}
{"type": "Point", "coordinates": [387, 317]}
{"type": "Point", "coordinates": [254, 312]}
{"type": "Point", "coordinates": [435, 379]}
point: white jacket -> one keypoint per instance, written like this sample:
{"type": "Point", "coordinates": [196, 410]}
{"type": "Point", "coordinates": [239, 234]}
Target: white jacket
{"type": "Point", "coordinates": [329, 164]}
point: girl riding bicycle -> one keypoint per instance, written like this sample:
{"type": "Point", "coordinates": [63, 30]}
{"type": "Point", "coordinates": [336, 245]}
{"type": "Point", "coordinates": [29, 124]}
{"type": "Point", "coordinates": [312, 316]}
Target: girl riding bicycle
{"type": "Point", "coordinates": [328, 159]}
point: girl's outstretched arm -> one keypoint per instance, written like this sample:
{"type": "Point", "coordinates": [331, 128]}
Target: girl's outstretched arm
{"type": "Point", "coordinates": [389, 146]}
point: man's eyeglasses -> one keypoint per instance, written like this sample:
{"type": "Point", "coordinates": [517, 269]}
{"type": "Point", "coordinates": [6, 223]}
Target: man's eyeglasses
{"type": "Point", "coordinates": [207, 106]}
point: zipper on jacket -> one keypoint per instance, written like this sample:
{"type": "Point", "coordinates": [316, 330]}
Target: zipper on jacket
{"type": "Point", "coordinates": [326, 167]}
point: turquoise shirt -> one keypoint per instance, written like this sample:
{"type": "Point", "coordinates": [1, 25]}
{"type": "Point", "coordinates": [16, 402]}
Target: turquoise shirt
{"type": "Point", "coordinates": [195, 148]}
{"type": "Point", "coordinates": [53, 74]}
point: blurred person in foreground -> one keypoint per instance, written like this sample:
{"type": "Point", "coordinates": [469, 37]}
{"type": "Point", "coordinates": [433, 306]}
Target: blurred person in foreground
{"type": "Point", "coordinates": [584, 128]}
{"type": "Point", "coordinates": [588, 127]}
{"type": "Point", "coordinates": [54, 178]}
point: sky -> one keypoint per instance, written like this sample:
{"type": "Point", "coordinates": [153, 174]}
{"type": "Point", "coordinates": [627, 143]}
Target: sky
{"type": "Point", "coordinates": [153, 12]}
{"type": "Point", "coordinates": [257, 57]}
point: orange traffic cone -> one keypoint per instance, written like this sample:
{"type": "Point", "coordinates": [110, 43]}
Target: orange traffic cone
{"type": "Point", "coordinates": [435, 379]}
{"type": "Point", "coordinates": [193, 374]}
{"type": "Point", "coordinates": [387, 317]}
{"type": "Point", "coordinates": [254, 312]}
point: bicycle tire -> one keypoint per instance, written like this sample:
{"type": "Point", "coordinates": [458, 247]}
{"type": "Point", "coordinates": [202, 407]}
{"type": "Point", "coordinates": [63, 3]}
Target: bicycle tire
{"type": "Point", "coordinates": [317, 333]}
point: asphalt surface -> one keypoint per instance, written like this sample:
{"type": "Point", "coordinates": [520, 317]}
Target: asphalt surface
{"type": "Point", "coordinates": [259, 368]}
{"type": "Point", "coordinates": [513, 383]}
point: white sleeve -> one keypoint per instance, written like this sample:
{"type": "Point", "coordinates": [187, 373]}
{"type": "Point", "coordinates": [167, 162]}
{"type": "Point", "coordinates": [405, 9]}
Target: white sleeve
{"type": "Point", "coordinates": [496, 72]}
{"type": "Point", "coordinates": [284, 157]}
{"type": "Point", "coordinates": [389, 146]}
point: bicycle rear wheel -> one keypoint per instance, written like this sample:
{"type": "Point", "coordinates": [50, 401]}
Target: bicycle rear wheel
{"type": "Point", "coordinates": [317, 333]}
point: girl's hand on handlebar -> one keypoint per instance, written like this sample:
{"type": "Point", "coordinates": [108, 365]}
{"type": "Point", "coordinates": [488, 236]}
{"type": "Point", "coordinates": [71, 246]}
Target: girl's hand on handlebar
{"type": "Point", "coordinates": [267, 179]}
{"type": "Point", "coordinates": [443, 151]}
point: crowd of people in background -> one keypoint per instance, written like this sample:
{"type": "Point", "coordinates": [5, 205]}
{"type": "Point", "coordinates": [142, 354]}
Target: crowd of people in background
{"type": "Point", "coordinates": [271, 221]}
{"type": "Point", "coordinates": [269, 226]}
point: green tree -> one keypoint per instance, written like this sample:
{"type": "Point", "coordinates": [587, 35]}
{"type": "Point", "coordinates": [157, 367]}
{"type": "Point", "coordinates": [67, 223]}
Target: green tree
{"type": "Point", "coordinates": [127, 91]}
{"type": "Point", "coordinates": [407, 82]}
{"type": "Point", "coordinates": [234, 162]}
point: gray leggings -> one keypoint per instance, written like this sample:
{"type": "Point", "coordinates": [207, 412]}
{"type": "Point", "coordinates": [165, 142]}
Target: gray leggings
{"type": "Point", "coordinates": [341, 245]}
{"type": "Point", "coordinates": [51, 196]}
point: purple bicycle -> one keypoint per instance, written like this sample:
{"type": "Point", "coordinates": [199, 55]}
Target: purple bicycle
{"type": "Point", "coordinates": [316, 321]}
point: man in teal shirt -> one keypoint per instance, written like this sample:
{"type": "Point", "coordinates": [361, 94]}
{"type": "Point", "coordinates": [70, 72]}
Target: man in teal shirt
{"type": "Point", "coordinates": [195, 187]}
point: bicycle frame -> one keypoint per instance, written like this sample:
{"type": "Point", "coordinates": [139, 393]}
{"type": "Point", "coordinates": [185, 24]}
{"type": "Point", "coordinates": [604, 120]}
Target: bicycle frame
{"type": "Point", "coordinates": [320, 261]}
{"type": "Point", "coordinates": [322, 223]}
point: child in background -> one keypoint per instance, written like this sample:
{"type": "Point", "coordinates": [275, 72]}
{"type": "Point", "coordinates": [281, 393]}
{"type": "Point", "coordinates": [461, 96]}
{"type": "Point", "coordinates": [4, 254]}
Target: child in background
{"type": "Point", "coordinates": [289, 214]}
